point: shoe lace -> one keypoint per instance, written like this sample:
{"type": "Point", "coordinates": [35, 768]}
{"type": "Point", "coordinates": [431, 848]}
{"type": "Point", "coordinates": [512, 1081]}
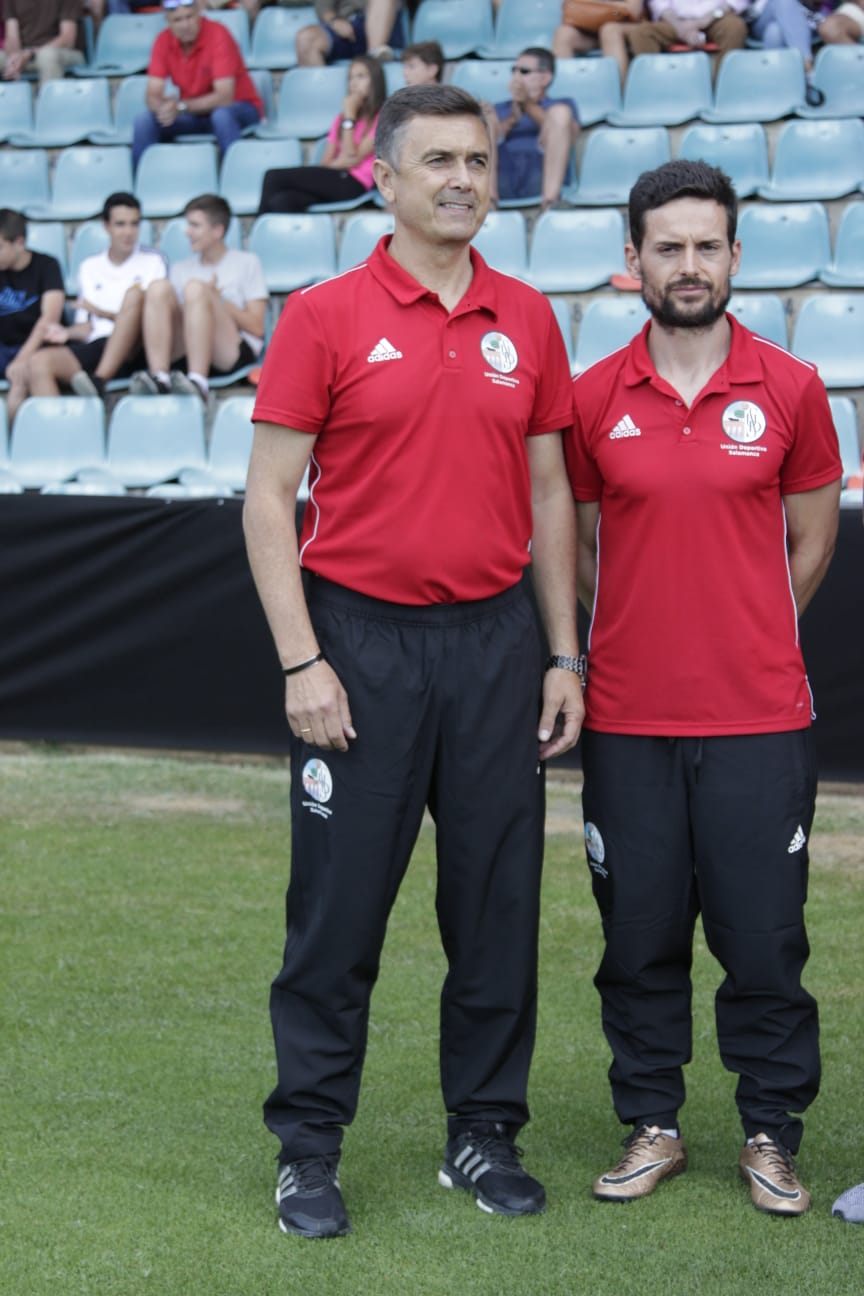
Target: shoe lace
{"type": "Point", "coordinates": [498, 1150]}
{"type": "Point", "coordinates": [637, 1142]}
{"type": "Point", "coordinates": [779, 1160]}
{"type": "Point", "coordinates": [312, 1172]}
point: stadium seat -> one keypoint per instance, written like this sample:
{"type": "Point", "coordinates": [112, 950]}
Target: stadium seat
{"type": "Point", "coordinates": [460, 26]}
{"type": "Point", "coordinates": [614, 157]}
{"type": "Point", "coordinates": [4, 436]}
{"type": "Point", "coordinates": [89, 481]}
{"type": "Point", "coordinates": [594, 85]}
{"type": "Point", "coordinates": [564, 316]}
{"type": "Point", "coordinates": [237, 23]}
{"type": "Point", "coordinates": [66, 112]}
{"type": "Point", "coordinates": [838, 71]}
{"type": "Point", "coordinates": [84, 176]}
{"type": "Point", "coordinates": [16, 108]}
{"type": "Point", "coordinates": [665, 90]}
{"type": "Point", "coordinates": [244, 167]}
{"type": "Point", "coordinates": [520, 23]}
{"type": "Point", "coordinates": [740, 149]}
{"type": "Point", "coordinates": [829, 332]}
{"type": "Point", "coordinates": [845, 415]}
{"type": "Point", "coordinates": [24, 178]}
{"type": "Point", "coordinates": [294, 249]}
{"type": "Point", "coordinates": [846, 268]}
{"type": "Point", "coordinates": [360, 233]}
{"type": "Point", "coordinates": [153, 438]}
{"type": "Point", "coordinates": [263, 79]}
{"type": "Point", "coordinates": [502, 241]}
{"type": "Point", "coordinates": [272, 45]}
{"type": "Point", "coordinates": [783, 246]}
{"type": "Point", "coordinates": [123, 45]}
{"type": "Point", "coordinates": [55, 436]}
{"type": "Point", "coordinates": [174, 243]}
{"type": "Point", "coordinates": [128, 103]}
{"type": "Point", "coordinates": [816, 159]}
{"type": "Point", "coordinates": [484, 79]}
{"type": "Point", "coordinates": [607, 324]}
{"type": "Point", "coordinates": [168, 176]}
{"type": "Point", "coordinates": [308, 100]}
{"type": "Point", "coordinates": [764, 313]}
{"type": "Point", "coordinates": [50, 237]}
{"type": "Point", "coordinates": [757, 86]}
{"type": "Point", "coordinates": [574, 251]}
{"type": "Point", "coordinates": [231, 442]}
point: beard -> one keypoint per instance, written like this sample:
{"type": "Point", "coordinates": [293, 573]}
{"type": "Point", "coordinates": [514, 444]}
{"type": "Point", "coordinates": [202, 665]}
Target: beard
{"type": "Point", "coordinates": [674, 314]}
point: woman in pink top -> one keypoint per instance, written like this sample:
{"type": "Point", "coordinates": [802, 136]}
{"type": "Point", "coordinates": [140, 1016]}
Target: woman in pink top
{"type": "Point", "coordinates": [345, 169]}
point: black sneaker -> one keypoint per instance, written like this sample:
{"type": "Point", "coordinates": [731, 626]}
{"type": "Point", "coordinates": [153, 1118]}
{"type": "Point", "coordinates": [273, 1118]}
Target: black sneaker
{"type": "Point", "coordinates": [310, 1203]}
{"type": "Point", "coordinates": [485, 1161]}
{"type": "Point", "coordinates": [145, 383]}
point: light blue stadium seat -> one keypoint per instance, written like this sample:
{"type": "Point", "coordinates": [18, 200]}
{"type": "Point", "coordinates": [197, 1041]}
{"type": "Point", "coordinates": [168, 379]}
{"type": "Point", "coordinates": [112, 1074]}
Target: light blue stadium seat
{"type": "Point", "coordinates": [272, 44]}
{"type": "Point", "coordinates": [829, 332]}
{"type": "Point", "coordinates": [764, 313]}
{"type": "Point", "coordinates": [4, 437]}
{"type": "Point", "coordinates": [123, 45]}
{"type": "Point", "coordinates": [245, 165]}
{"type": "Point", "coordinates": [484, 79]}
{"type": "Point", "coordinates": [263, 79]}
{"type": "Point", "coordinates": [594, 85]}
{"type": "Point", "coordinates": [153, 438]}
{"type": "Point", "coordinates": [574, 251]}
{"type": "Point", "coordinates": [564, 316]}
{"type": "Point", "coordinates": [24, 178]}
{"type": "Point", "coordinates": [83, 178]}
{"type": "Point", "coordinates": [738, 148]}
{"type": "Point", "coordinates": [66, 112]}
{"type": "Point", "coordinates": [174, 244]}
{"type": "Point", "coordinates": [846, 267]}
{"type": "Point", "coordinates": [168, 176]}
{"type": "Point", "coordinates": [16, 108]}
{"type": "Point", "coordinates": [360, 233]}
{"type": "Point", "coordinates": [520, 23]}
{"type": "Point", "coordinates": [343, 204]}
{"type": "Point", "coordinates": [56, 436]}
{"type": "Point", "coordinates": [607, 324]}
{"type": "Point", "coordinates": [308, 100]}
{"type": "Point", "coordinates": [838, 71]}
{"type": "Point", "coordinates": [816, 159]}
{"type": "Point", "coordinates": [845, 415]}
{"type": "Point", "coordinates": [127, 105]}
{"type": "Point", "coordinates": [50, 237]}
{"type": "Point", "coordinates": [502, 241]}
{"type": "Point", "coordinates": [237, 23]}
{"type": "Point", "coordinates": [294, 249]}
{"type": "Point", "coordinates": [757, 85]}
{"type": "Point", "coordinates": [394, 77]}
{"type": "Point", "coordinates": [665, 90]}
{"type": "Point", "coordinates": [231, 441]}
{"type": "Point", "coordinates": [460, 26]}
{"type": "Point", "coordinates": [614, 157]}
{"type": "Point", "coordinates": [782, 246]}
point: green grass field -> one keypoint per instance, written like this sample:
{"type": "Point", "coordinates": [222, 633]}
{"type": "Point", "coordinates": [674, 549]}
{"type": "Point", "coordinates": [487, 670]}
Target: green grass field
{"type": "Point", "coordinates": [142, 918]}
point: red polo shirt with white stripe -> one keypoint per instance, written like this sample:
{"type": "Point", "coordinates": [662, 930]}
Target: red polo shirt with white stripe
{"type": "Point", "coordinates": [419, 483]}
{"type": "Point", "coordinates": [695, 630]}
{"type": "Point", "coordinates": [214, 55]}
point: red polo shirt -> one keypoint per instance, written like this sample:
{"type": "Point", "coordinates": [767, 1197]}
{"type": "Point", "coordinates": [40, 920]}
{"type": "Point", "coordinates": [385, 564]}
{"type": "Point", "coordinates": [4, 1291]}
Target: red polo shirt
{"type": "Point", "coordinates": [214, 55]}
{"type": "Point", "coordinates": [695, 629]}
{"type": "Point", "coordinates": [419, 482]}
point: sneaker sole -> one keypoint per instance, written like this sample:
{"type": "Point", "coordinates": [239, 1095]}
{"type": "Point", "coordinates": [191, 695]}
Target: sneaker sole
{"type": "Point", "coordinates": [293, 1231]}
{"type": "Point", "coordinates": [448, 1179]}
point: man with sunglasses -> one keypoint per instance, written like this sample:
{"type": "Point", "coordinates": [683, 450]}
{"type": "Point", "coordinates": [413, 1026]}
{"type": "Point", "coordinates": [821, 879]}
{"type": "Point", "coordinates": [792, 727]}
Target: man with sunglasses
{"type": "Point", "coordinates": [533, 134]}
{"type": "Point", "coordinates": [214, 91]}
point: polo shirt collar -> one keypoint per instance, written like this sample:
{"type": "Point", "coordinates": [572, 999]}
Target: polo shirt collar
{"type": "Point", "coordinates": [743, 364]}
{"type": "Point", "coordinates": [481, 294]}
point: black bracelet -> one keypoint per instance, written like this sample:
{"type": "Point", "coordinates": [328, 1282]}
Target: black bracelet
{"type": "Point", "coordinates": [304, 665]}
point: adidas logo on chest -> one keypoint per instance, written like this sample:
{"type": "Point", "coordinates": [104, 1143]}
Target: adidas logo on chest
{"type": "Point", "coordinates": [383, 350]}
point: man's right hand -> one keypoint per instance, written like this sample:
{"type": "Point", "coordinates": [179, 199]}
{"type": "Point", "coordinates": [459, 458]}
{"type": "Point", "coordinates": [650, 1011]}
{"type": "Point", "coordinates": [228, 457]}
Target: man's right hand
{"type": "Point", "coordinates": [317, 707]}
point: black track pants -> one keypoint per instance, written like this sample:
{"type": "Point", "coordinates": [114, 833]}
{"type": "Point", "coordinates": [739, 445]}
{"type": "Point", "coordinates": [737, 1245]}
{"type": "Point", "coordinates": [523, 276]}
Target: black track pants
{"type": "Point", "coordinates": [445, 702]}
{"type": "Point", "coordinates": [675, 827]}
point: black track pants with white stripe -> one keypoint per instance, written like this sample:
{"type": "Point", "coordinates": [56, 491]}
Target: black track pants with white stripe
{"type": "Point", "coordinates": [445, 702]}
{"type": "Point", "coordinates": [720, 825]}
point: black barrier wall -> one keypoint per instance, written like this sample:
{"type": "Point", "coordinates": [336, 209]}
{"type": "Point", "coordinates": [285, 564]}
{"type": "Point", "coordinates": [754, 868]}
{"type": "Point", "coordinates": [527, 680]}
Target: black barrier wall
{"type": "Point", "coordinates": [134, 622]}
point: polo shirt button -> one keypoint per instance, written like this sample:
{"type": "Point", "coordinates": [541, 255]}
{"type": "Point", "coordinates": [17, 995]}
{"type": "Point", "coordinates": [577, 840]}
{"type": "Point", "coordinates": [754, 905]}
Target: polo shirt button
{"type": "Point", "coordinates": [677, 402]}
{"type": "Point", "coordinates": [686, 431]}
{"type": "Point", "coordinates": [452, 355]}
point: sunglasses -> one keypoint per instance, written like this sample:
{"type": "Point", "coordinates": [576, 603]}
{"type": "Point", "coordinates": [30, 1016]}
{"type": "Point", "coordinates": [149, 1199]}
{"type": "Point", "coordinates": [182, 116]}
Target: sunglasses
{"type": "Point", "coordinates": [523, 71]}
{"type": "Point", "coordinates": [177, 4]}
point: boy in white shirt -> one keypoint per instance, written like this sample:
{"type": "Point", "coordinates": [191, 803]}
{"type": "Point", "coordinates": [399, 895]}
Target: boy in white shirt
{"type": "Point", "coordinates": [106, 334]}
{"type": "Point", "coordinates": [212, 309]}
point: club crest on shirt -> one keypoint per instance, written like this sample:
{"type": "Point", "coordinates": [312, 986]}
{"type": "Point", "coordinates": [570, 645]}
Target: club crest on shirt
{"type": "Point", "coordinates": [499, 352]}
{"type": "Point", "coordinates": [318, 784]}
{"type": "Point", "coordinates": [742, 421]}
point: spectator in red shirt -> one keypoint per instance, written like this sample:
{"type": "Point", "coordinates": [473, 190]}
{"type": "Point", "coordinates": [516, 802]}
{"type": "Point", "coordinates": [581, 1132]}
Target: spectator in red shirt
{"type": "Point", "coordinates": [215, 92]}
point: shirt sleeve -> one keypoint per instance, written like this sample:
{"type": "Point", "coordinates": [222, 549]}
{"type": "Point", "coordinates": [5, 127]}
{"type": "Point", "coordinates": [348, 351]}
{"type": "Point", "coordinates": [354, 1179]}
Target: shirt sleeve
{"type": "Point", "coordinates": [256, 284]}
{"type": "Point", "coordinates": [554, 403]}
{"type": "Point", "coordinates": [298, 372]}
{"type": "Point", "coordinates": [52, 275]}
{"type": "Point", "coordinates": [585, 480]}
{"type": "Point", "coordinates": [158, 65]}
{"type": "Point", "coordinates": [814, 456]}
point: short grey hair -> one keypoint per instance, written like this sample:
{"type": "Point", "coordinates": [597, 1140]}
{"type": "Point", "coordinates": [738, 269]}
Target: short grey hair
{"type": "Point", "coordinates": [419, 101]}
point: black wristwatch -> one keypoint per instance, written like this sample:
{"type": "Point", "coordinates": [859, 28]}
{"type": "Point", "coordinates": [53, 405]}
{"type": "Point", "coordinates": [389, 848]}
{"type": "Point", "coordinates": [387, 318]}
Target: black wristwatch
{"type": "Point", "coordinates": [579, 665]}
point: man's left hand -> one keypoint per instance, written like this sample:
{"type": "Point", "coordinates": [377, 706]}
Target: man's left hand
{"type": "Point", "coordinates": [563, 713]}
